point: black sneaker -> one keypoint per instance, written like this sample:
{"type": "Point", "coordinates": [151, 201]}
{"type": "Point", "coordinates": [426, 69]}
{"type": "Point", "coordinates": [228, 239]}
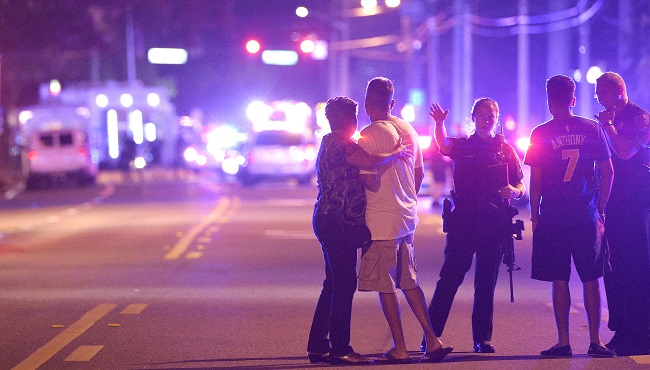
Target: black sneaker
{"type": "Point", "coordinates": [558, 351]}
{"type": "Point", "coordinates": [596, 350]}
{"type": "Point", "coordinates": [484, 347]}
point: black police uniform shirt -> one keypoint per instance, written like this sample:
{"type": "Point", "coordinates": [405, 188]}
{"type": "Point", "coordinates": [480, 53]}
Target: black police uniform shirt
{"type": "Point", "coordinates": [632, 176]}
{"type": "Point", "coordinates": [480, 168]}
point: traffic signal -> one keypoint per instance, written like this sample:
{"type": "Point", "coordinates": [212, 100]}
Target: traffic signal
{"type": "Point", "coordinates": [307, 46]}
{"type": "Point", "coordinates": [313, 47]}
{"type": "Point", "coordinates": [253, 46]}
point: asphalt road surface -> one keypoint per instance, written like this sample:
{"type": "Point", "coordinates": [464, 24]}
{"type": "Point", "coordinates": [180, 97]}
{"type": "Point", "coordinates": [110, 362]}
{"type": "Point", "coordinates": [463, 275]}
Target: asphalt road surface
{"type": "Point", "coordinates": [169, 270]}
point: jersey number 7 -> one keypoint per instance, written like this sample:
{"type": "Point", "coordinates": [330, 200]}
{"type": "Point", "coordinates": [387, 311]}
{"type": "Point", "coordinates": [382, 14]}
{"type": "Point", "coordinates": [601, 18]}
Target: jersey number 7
{"type": "Point", "coordinates": [572, 155]}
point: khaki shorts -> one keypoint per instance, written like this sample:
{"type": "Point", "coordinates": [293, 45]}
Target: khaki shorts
{"type": "Point", "coordinates": [389, 265]}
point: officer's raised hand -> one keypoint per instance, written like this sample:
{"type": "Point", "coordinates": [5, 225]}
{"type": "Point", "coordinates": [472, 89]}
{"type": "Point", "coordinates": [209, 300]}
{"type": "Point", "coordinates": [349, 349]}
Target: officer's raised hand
{"type": "Point", "coordinates": [437, 113]}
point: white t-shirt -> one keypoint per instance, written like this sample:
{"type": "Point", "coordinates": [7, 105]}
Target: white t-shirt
{"type": "Point", "coordinates": [391, 209]}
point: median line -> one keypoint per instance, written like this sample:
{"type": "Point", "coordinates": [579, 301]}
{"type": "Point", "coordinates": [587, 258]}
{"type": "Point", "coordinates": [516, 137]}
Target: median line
{"type": "Point", "coordinates": [52, 347]}
{"type": "Point", "coordinates": [181, 246]}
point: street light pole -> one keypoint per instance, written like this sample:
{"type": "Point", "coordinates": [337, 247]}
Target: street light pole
{"type": "Point", "coordinates": [339, 60]}
{"type": "Point", "coordinates": [523, 69]}
{"type": "Point", "coordinates": [130, 44]}
{"type": "Point", "coordinates": [432, 61]}
{"type": "Point", "coordinates": [461, 69]}
{"type": "Point", "coordinates": [0, 80]}
{"type": "Point", "coordinates": [585, 90]}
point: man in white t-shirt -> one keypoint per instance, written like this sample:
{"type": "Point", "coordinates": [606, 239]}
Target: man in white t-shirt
{"type": "Point", "coordinates": [391, 215]}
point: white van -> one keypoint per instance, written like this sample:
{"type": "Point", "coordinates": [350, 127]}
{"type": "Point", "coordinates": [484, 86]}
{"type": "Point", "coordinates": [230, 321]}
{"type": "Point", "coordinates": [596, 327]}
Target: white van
{"type": "Point", "coordinates": [60, 155]}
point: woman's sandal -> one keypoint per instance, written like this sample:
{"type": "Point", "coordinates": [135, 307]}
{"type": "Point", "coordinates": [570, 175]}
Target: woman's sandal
{"type": "Point", "coordinates": [437, 355]}
{"type": "Point", "coordinates": [388, 358]}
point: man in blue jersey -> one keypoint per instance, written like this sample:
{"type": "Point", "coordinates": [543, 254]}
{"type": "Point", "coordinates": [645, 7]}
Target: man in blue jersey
{"type": "Point", "coordinates": [568, 196]}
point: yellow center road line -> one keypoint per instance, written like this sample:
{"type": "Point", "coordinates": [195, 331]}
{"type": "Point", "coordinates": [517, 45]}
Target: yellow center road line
{"type": "Point", "coordinates": [231, 211]}
{"type": "Point", "coordinates": [134, 309]}
{"type": "Point", "coordinates": [83, 353]}
{"type": "Point", "coordinates": [641, 359]}
{"type": "Point", "coordinates": [194, 255]}
{"type": "Point", "coordinates": [52, 347]}
{"type": "Point", "coordinates": [181, 246]}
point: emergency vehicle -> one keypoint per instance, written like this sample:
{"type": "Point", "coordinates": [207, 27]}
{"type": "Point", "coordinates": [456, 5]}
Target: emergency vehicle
{"type": "Point", "coordinates": [282, 143]}
{"type": "Point", "coordinates": [76, 130]}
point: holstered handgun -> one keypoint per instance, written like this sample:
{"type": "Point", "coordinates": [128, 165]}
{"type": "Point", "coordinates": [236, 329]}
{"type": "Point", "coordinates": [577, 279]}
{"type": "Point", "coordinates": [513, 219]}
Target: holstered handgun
{"type": "Point", "coordinates": [446, 215]}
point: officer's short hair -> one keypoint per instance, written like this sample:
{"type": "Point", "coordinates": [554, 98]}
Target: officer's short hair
{"type": "Point", "coordinates": [560, 89]}
{"type": "Point", "coordinates": [339, 111]}
{"type": "Point", "coordinates": [611, 79]}
{"type": "Point", "coordinates": [380, 92]}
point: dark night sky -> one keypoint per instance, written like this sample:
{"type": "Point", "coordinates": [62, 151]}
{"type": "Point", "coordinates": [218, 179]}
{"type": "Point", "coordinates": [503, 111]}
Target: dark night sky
{"type": "Point", "coordinates": [42, 40]}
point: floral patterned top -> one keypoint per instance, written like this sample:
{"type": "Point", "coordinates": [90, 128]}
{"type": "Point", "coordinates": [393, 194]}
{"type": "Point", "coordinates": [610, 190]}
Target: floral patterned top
{"type": "Point", "coordinates": [340, 191]}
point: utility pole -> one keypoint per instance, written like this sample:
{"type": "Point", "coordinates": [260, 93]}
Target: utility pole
{"type": "Point", "coordinates": [339, 60]}
{"type": "Point", "coordinates": [0, 80]}
{"type": "Point", "coordinates": [130, 44]}
{"type": "Point", "coordinates": [432, 61]}
{"type": "Point", "coordinates": [523, 70]}
{"type": "Point", "coordinates": [407, 41]}
{"type": "Point", "coordinates": [557, 58]}
{"type": "Point", "coordinates": [94, 66]}
{"type": "Point", "coordinates": [585, 89]}
{"type": "Point", "coordinates": [413, 13]}
{"type": "Point", "coordinates": [625, 37]}
{"type": "Point", "coordinates": [461, 68]}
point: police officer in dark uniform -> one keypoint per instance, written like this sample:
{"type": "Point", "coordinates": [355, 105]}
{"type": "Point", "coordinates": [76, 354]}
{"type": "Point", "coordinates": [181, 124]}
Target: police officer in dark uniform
{"type": "Point", "coordinates": [627, 223]}
{"type": "Point", "coordinates": [487, 174]}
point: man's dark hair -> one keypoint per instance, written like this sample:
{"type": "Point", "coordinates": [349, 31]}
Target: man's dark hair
{"type": "Point", "coordinates": [380, 92]}
{"type": "Point", "coordinates": [339, 111]}
{"type": "Point", "coordinates": [560, 89]}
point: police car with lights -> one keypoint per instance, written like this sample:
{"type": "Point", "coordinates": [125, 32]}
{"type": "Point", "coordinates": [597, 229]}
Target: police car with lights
{"type": "Point", "coordinates": [282, 143]}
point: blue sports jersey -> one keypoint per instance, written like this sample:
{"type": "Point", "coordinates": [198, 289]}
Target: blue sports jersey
{"type": "Point", "coordinates": [566, 151]}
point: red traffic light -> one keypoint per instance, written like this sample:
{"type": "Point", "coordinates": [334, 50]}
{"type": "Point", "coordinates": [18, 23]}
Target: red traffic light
{"type": "Point", "coordinates": [307, 46]}
{"type": "Point", "coordinates": [253, 46]}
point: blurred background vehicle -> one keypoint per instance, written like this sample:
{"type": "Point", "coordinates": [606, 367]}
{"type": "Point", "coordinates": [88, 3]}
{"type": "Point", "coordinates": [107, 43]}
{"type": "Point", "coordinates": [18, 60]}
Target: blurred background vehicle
{"type": "Point", "coordinates": [215, 147]}
{"type": "Point", "coordinates": [279, 154]}
{"type": "Point", "coordinates": [60, 146]}
{"type": "Point", "coordinates": [74, 131]}
{"type": "Point", "coordinates": [282, 143]}
{"type": "Point", "coordinates": [60, 155]}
